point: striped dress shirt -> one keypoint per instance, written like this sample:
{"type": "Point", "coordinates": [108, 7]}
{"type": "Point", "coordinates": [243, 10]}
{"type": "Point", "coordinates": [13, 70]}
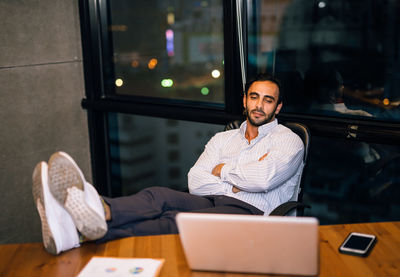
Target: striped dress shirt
{"type": "Point", "coordinates": [264, 184]}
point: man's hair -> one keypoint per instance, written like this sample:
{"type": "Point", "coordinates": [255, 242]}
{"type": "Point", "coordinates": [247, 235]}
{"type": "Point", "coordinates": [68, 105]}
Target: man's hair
{"type": "Point", "coordinates": [263, 77]}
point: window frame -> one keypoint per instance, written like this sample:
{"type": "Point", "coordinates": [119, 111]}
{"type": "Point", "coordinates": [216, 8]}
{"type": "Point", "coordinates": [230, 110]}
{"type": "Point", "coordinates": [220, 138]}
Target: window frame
{"type": "Point", "coordinates": [99, 101]}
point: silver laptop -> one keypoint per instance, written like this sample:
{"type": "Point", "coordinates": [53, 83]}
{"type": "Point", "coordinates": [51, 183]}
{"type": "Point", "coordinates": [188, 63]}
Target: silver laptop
{"type": "Point", "coordinates": [250, 243]}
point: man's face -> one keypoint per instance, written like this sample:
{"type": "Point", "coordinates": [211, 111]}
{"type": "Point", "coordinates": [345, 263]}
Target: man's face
{"type": "Point", "coordinates": [261, 103]}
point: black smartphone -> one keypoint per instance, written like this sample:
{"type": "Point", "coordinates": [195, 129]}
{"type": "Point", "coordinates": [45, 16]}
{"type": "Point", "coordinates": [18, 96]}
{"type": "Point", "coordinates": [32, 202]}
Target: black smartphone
{"type": "Point", "coordinates": [358, 244]}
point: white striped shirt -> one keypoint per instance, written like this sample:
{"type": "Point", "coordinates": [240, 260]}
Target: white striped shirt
{"type": "Point", "coordinates": [264, 184]}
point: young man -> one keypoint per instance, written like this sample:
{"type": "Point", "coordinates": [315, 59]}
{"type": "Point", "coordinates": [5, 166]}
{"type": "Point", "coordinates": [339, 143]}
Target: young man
{"type": "Point", "coordinates": [250, 170]}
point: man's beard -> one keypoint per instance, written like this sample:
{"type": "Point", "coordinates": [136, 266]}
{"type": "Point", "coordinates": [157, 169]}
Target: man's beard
{"type": "Point", "coordinates": [265, 121]}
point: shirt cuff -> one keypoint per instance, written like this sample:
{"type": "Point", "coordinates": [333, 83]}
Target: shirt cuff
{"type": "Point", "coordinates": [227, 188]}
{"type": "Point", "coordinates": [225, 171]}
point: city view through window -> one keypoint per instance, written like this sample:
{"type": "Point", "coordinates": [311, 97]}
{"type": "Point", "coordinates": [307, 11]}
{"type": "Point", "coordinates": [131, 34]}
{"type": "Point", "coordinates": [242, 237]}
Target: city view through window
{"type": "Point", "coordinates": [169, 49]}
{"type": "Point", "coordinates": [336, 58]}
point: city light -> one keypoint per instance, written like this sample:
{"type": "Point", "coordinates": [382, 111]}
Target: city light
{"type": "Point", "coordinates": [205, 91]}
{"type": "Point", "coordinates": [170, 18]}
{"type": "Point", "coordinates": [386, 102]}
{"type": "Point", "coordinates": [118, 28]}
{"type": "Point", "coordinates": [135, 63]}
{"type": "Point", "coordinates": [119, 82]}
{"type": "Point", "coordinates": [167, 83]}
{"type": "Point", "coordinates": [215, 73]}
{"type": "Point", "coordinates": [169, 35]}
{"type": "Point", "coordinates": [152, 63]}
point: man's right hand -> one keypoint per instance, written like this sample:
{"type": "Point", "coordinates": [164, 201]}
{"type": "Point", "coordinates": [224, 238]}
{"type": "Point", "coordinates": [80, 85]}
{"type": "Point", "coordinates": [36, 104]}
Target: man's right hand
{"type": "Point", "coordinates": [217, 170]}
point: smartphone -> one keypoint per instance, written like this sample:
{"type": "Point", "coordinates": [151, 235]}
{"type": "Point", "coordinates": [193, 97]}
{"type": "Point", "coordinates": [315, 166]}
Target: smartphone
{"type": "Point", "coordinates": [358, 244]}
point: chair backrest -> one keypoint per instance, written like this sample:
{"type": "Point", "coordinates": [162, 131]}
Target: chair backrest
{"type": "Point", "coordinates": [303, 132]}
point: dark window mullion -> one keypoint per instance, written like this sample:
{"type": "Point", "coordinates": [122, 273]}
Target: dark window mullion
{"type": "Point", "coordinates": [107, 50]}
{"type": "Point", "coordinates": [233, 82]}
{"type": "Point", "coordinates": [198, 114]}
{"type": "Point", "coordinates": [94, 87]}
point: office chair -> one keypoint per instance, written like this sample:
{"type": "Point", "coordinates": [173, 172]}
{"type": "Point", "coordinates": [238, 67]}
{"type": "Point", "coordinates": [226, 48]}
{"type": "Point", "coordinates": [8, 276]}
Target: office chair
{"type": "Point", "coordinates": [294, 206]}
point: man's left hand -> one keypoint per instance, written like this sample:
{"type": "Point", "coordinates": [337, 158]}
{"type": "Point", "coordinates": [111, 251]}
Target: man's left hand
{"type": "Point", "coordinates": [235, 190]}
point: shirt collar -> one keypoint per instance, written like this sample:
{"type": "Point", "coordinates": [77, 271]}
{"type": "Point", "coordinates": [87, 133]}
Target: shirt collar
{"type": "Point", "coordinates": [262, 130]}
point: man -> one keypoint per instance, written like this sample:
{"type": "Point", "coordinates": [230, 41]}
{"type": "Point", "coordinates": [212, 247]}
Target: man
{"type": "Point", "coordinates": [250, 170]}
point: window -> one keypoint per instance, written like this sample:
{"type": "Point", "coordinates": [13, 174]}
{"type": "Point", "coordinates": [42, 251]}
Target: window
{"type": "Point", "coordinates": [335, 58]}
{"type": "Point", "coordinates": [339, 64]}
{"type": "Point", "coordinates": [143, 155]}
{"type": "Point", "coordinates": [168, 49]}
{"type": "Point", "coordinates": [162, 77]}
{"type": "Point", "coordinates": [349, 181]}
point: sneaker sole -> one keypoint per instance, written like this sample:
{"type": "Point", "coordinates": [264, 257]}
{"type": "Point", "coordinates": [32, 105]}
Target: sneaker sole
{"type": "Point", "coordinates": [39, 176]}
{"type": "Point", "coordinates": [67, 186]}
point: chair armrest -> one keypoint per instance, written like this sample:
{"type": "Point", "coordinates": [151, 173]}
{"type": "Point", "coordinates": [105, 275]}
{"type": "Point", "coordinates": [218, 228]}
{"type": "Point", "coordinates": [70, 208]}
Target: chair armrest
{"type": "Point", "coordinates": [285, 208]}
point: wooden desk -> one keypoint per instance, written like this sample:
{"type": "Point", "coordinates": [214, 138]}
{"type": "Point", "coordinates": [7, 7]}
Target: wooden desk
{"type": "Point", "coordinates": [32, 260]}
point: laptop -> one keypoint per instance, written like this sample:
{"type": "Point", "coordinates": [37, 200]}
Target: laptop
{"type": "Point", "coordinates": [250, 243]}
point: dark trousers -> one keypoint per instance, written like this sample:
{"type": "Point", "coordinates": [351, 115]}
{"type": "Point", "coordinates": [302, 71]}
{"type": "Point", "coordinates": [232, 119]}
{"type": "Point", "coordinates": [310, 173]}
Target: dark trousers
{"type": "Point", "coordinates": [152, 211]}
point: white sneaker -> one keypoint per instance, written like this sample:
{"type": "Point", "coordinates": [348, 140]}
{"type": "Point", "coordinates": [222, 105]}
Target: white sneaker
{"type": "Point", "coordinates": [58, 230]}
{"type": "Point", "coordinates": [92, 198]}
{"type": "Point", "coordinates": [78, 197]}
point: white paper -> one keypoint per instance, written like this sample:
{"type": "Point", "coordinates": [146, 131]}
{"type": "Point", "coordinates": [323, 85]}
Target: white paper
{"type": "Point", "coordinates": [120, 267]}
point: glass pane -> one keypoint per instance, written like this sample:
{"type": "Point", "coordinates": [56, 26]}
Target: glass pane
{"type": "Point", "coordinates": [345, 181]}
{"type": "Point", "coordinates": [348, 181]}
{"type": "Point", "coordinates": [168, 49]}
{"type": "Point", "coordinates": [148, 151]}
{"type": "Point", "coordinates": [338, 58]}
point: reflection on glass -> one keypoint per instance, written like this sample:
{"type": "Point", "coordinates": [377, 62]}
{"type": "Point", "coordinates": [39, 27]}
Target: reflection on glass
{"type": "Point", "coordinates": [349, 181]}
{"type": "Point", "coordinates": [337, 58]}
{"type": "Point", "coordinates": [168, 49]}
{"type": "Point", "coordinates": [148, 151]}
